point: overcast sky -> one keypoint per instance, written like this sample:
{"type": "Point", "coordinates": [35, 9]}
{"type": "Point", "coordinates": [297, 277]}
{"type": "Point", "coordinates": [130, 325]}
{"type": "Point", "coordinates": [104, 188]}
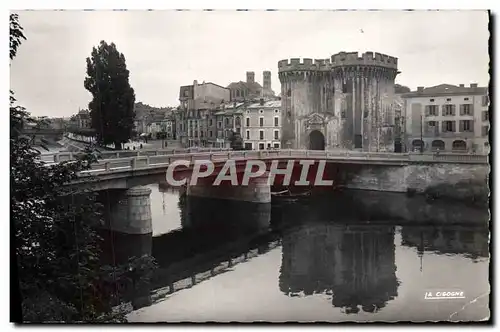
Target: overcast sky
{"type": "Point", "coordinates": [167, 49]}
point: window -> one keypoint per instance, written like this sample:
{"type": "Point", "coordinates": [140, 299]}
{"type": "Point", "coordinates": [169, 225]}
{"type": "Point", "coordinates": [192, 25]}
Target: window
{"type": "Point", "coordinates": [448, 99]}
{"type": "Point", "coordinates": [365, 114]}
{"type": "Point", "coordinates": [486, 116]}
{"type": "Point", "coordinates": [201, 134]}
{"type": "Point", "coordinates": [276, 145]}
{"type": "Point", "coordinates": [219, 124]}
{"type": "Point", "coordinates": [342, 114]}
{"type": "Point", "coordinates": [261, 134]}
{"type": "Point", "coordinates": [289, 93]}
{"type": "Point", "coordinates": [344, 88]}
{"type": "Point", "coordinates": [431, 100]}
{"type": "Point", "coordinates": [465, 125]}
{"type": "Point", "coordinates": [448, 110]}
{"type": "Point", "coordinates": [466, 98]}
{"type": "Point", "coordinates": [276, 121]}
{"type": "Point", "coordinates": [289, 114]}
{"type": "Point", "coordinates": [248, 134]}
{"type": "Point", "coordinates": [261, 122]}
{"type": "Point", "coordinates": [276, 111]}
{"type": "Point", "coordinates": [210, 123]}
{"type": "Point", "coordinates": [448, 126]}
{"type": "Point", "coordinates": [261, 111]}
{"type": "Point", "coordinates": [485, 100]}
{"type": "Point", "coordinates": [261, 146]}
{"type": "Point", "coordinates": [432, 110]}
{"type": "Point", "coordinates": [276, 134]}
{"type": "Point", "coordinates": [238, 130]}
{"type": "Point", "coordinates": [466, 109]}
{"type": "Point", "coordinates": [431, 123]}
{"type": "Point", "coordinates": [238, 121]}
{"type": "Point", "coordinates": [210, 134]}
{"type": "Point", "coordinates": [484, 131]}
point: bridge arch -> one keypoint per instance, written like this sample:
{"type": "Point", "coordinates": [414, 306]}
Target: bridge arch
{"type": "Point", "coordinates": [316, 140]}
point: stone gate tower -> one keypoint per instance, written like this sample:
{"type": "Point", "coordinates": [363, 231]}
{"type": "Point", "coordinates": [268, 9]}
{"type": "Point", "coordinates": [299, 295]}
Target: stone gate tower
{"type": "Point", "coordinates": [344, 102]}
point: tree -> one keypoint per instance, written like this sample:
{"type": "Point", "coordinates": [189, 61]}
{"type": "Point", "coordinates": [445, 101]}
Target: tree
{"type": "Point", "coordinates": [56, 247]}
{"type": "Point", "coordinates": [398, 88]}
{"type": "Point", "coordinates": [112, 105]}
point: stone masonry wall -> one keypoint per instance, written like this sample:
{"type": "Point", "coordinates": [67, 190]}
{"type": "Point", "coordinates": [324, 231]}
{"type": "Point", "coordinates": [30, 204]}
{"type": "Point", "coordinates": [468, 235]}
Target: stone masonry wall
{"type": "Point", "coordinates": [420, 178]}
{"type": "Point", "coordinates": [257, 191]}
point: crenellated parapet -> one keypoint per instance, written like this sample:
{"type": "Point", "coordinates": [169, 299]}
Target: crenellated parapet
{"type": "Point", "coordinates": [342, 59]}
{"type": "Point", "coordinates": [366, 59]}
{"type": "Point", "coordinates": [296, 64]}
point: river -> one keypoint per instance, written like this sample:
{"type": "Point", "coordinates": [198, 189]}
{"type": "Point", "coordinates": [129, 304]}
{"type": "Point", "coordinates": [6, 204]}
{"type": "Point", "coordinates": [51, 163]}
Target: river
{"type": "Point", "coordinates": [347, 257]}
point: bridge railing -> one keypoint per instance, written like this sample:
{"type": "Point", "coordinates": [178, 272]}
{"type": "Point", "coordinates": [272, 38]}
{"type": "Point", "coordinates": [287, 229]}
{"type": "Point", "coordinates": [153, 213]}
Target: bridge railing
{"type": "Point", "coordinates": [159, 160]}
{"type": "Point", "coordinates": [65, 156]}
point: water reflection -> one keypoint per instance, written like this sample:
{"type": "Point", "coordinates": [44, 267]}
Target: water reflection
{"type": "Point", "coordinates": [212, 232]}
{"type": "Point", "coordinates": [338, 258]}
{"type": "Point", "coordinates": [353, 263]}
{"type": "Point", "coordinates": [470, 242]}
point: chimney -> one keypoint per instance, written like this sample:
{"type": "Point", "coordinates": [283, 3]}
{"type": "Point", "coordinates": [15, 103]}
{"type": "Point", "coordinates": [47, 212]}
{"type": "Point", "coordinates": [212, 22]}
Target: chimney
{"type": "Point", "coordinates": [473, 85]}
{"type": "Point", "coordinates": [462, 85]}
{"type": "Point", "coordinates": [261, 101]}
{"type": "Point", "coordinates": [195, 82]}
{"type": "Point", "coordinates": [250, 77]}
{"type": "Point", "coordinates": [420, 89]}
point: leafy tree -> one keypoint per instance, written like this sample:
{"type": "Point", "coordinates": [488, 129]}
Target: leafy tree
{"type": "Point", "coordinates": [398, 88]}
{"type": "Point", "coordinates": [112, 105]}
{"type": "Point", "coordinates": [59, 276]}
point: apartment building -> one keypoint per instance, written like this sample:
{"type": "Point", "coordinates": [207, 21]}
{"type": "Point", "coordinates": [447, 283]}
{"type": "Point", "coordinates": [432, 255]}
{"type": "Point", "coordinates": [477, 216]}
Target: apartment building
{"type": "Point", "coordinates": [447, 118]}
{"type": "Point", "coordinates": [261, 127]}
{"type": "Point", "coordinates": [197, 104]}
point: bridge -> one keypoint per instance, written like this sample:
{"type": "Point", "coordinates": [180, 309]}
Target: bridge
{"type": "Point", "coordinates": [124, 173]}
{"type": "Point", "coordinates": [46, 133]}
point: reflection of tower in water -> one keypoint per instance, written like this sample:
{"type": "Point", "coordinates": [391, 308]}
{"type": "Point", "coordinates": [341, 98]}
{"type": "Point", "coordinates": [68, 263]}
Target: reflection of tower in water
{"type": "Point", "coordinates": [355, 263]}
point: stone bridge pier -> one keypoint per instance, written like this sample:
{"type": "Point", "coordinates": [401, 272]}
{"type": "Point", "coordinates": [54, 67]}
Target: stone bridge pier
{"type": "Point", "coordinates": [258, 190]}
{"type": "Point", "coordinates": [130, 211]}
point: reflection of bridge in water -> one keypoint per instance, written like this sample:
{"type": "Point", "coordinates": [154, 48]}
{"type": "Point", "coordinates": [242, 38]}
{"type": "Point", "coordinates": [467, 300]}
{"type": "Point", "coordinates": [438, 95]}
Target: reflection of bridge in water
{"type": "Point", "coordinates": [214, 237]}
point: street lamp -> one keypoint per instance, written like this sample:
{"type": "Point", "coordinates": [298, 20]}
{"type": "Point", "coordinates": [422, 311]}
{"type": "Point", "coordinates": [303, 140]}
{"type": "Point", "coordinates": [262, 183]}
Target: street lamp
{"type": "Point", "coordinates": [422, 133]}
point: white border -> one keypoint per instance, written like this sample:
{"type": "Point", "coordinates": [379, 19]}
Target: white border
{"type": "Point", "coordinates": [185, 4]}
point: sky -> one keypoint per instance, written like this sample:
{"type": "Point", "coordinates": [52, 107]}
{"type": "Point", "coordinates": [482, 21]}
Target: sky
{"type": "Point", "coordinates": [167, 49]}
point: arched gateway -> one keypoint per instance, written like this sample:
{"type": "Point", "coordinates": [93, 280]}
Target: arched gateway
{"type": "Point", "coordinates": [316, 140]}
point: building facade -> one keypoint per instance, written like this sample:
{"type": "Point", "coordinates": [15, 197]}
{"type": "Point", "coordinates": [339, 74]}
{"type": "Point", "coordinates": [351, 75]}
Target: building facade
{"type": "Point", "coordinates": [345, 102]}
{"type": "Point", "coordinates": [197, 103]}
{"type": "Point", "coordinates": [447, 118]}
{"type": "Point", "coordinates": [261, 126]}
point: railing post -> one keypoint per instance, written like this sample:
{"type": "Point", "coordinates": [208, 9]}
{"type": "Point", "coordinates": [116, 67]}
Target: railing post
{"type": "Point", "coordinates": [133, 163]}
{"type": "Point", "coordinates": [56, 158]}
{"type": "Point", "coordinates": [106, 166]}
{"type": "Point", "coordinates": [118, 155]}
{"type": "Point", "coordinates": [147, 160]}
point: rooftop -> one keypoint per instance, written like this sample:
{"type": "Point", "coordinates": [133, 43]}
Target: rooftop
{"type": "Point", "coordinates": [267, 104]}
{"type": "Point", "coordinates": [446, 89]}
